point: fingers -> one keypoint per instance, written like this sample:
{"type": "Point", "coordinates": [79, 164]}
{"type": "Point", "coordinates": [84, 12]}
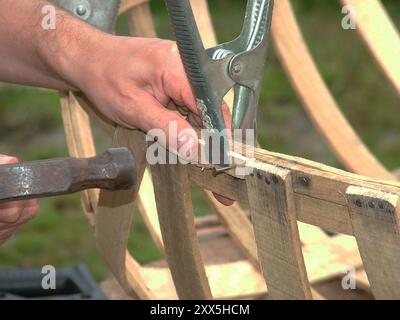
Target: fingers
{"type": "Point", "coordinates": [175, 82]}
{"type": "Point", "coordinates": [20, 212]}
{"type": "Point", "coordinates": [5, 159]}
{"type": "Point", "coordinates": [169, 128]}
{"type": "Point", "coordinates": [17, 213]}
{"type": "Point", "coordinates": [227, 115]}
{"type": "Point", "coordinates": [14, 214]}
{"type": "Point", "coordinates": [225, 201]}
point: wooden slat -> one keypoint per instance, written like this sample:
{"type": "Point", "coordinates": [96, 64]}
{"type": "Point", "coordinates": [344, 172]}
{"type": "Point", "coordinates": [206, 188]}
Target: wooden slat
{"type": "Point", "coordinates": [113, 225]}
{"type": "Point", "coordinates": [375, 219]}
{"type": "Point", "coordinates": [127, 5]}
{"type": "Point", "coordinates": [148, 208]}
{"type": "Point", "coordinates": [316, 97]}
{"type": "Point", "coordinates": [115, 209]}
{"type": "Point", "coordinates": [321, 201]}
{"type": "Point", "coordinates": [362, 281]}
{"type": "Point", "coordinates": [114, 214]}
{"type": "Point", "coordinates": [204, 23]}
{"type": "Point", "coordinates": [141, 22]}
{"type": "Point", "coordinates": [174, 206]}
{"type": "Point", "coordinates": [80, 144]}
{"type": "Point", "coordinates": [380, 35]}
{"type": "Point", "coordinates": [112, 218]}
{"type": "Point", "coordinates": [306, 215]}
{"type": "Point", "coordinates": [275, 226]}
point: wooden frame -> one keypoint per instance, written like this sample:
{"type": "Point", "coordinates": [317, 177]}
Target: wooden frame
{"type": "Point", "coordinates": [287, 196]}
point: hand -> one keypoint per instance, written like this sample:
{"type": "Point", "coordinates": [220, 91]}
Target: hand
{"type": "Point", "coordinates": [133, 80]}
{"type": "Point", "coordinates": [14, 214]}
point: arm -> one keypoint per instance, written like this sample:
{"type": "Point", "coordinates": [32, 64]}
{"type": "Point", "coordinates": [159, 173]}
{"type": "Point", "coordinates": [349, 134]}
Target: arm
{"type": "Point", "coordinates": [130, 80]}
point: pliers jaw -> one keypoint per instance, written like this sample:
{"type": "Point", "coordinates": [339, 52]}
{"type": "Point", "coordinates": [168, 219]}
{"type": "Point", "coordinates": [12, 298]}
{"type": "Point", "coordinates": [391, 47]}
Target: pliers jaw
{"type": "Point", "coordinates": [247, 55]}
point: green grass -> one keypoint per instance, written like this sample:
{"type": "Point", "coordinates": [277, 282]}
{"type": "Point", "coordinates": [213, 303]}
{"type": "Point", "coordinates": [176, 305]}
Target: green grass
{"type": "Point", "coordinates": [31, 128]}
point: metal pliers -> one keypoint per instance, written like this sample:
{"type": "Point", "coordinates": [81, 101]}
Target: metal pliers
{"type": "Point", "coordinates": [238, 64]}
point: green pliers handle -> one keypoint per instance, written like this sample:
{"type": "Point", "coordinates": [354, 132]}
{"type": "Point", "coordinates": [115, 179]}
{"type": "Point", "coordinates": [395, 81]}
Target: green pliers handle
{"type": "Point", "coordinates": [197, 63]}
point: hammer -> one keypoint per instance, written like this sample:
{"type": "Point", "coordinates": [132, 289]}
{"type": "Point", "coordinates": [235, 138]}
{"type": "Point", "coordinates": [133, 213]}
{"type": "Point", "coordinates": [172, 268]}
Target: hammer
{"type": "Point", "coordinates": [113, 170]}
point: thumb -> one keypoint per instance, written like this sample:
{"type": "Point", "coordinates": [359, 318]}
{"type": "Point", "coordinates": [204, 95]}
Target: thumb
{"type": "Point", "coordinates": [5, 159]}
{"type": "Point", "coordinates": [170, 129]}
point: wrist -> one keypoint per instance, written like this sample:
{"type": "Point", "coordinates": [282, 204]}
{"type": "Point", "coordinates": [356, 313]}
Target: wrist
{"type": "Point", "coordinates": [71, 49]}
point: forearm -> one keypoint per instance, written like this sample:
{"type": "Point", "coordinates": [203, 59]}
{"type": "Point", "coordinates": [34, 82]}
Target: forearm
{"type": "Point", "coordinates": [33, 55]}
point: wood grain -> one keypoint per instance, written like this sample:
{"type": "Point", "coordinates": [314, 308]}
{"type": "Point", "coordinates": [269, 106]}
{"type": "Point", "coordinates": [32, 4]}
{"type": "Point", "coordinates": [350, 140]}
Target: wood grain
{"type": "Point", "coordinates": [321, 202]}
{"type": "Point", "coordinates": [174, 207]}
{"type": "Point", "coordinates": [316, 97]}
{"type": "Point", "coordinates": [380, 35]}
{"type": "Point", "coordinates": [375, 219]}
{"type": "Point", "coordinates": [80, 144]}
{"type": "Point", "coordinates": [273, 215]}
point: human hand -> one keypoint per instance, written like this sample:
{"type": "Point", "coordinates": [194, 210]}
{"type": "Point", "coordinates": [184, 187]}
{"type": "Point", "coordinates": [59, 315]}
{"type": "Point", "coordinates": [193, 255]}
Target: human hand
{"type": "Point", "coordinates": [14, 214]}
{"type": "Point", "coordinates": [132, 82]}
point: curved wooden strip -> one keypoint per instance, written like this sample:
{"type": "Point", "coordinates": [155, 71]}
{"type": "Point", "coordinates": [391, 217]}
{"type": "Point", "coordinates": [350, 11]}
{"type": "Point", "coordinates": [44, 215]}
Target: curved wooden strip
{"type": "Point", "coordinates": [81, 144]}
{"type": "Point", "coordinates": [111, 243]}
{"type": "Point", "coordinates": [174, 206]}
{"type": "Point", "coordinates": [112, 217]}
{"type": "Point", "coordinates": [115, 210]}
{"type": "Point", "coordinates": [141, 23]}
{"type": "Point", "coordinates": [380, 35]}
{"type": "Point", "coordinates": [148, 208]}
{"type": "Point", "coordinates": [317, 99]}
{"type": "Point", "coordinates": [77, 129]}
{"type": "Point", "coordinates": [113, 226]}
{"type": "Point", "coordinates": [127, 5]}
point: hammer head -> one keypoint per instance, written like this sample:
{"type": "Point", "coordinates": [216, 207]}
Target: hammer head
{"type": "Point", "coordinates": [117, 167]}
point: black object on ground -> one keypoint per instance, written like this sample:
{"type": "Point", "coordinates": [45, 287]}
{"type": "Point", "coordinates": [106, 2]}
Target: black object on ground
{"type": "Point", "coordinates": [70, 284]}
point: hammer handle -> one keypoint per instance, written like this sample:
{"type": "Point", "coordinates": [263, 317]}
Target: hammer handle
{"type": "Point", "coordinates": [113, 170]}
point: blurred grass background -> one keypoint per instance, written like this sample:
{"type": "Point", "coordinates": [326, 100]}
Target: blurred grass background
{"type": "Point", "coordinates": [31, 127]}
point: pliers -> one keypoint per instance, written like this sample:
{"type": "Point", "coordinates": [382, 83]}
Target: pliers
{"type": "Point", "coordinates": [238, 64]}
